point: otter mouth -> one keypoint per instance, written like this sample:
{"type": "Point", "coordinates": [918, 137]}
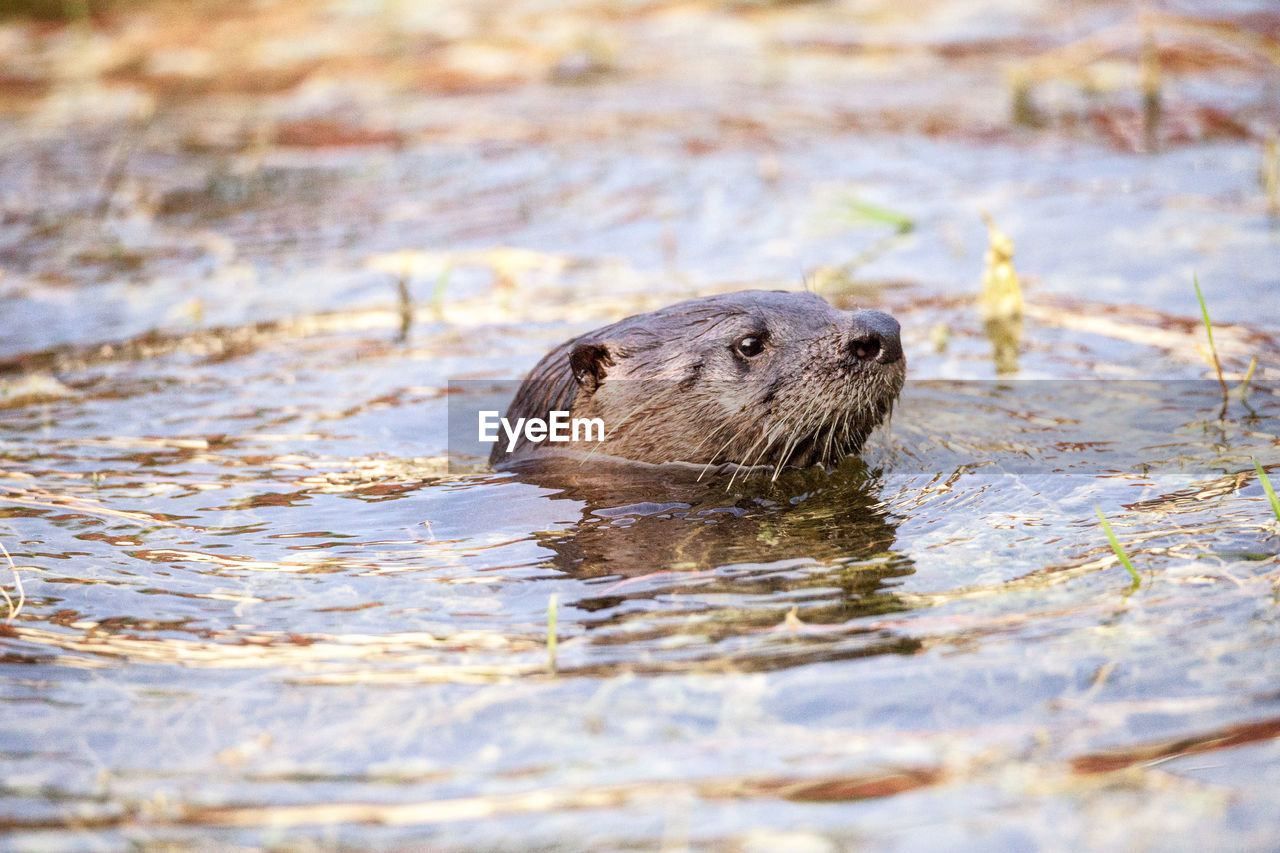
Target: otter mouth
{"type": "Point", "coordinates": [830, 443]}
{"type": "Point", "coordinates": [816, 436]}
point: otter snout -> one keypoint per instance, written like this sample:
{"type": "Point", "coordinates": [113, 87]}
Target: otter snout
{"type": "Point", "coordinates": [873, 336]}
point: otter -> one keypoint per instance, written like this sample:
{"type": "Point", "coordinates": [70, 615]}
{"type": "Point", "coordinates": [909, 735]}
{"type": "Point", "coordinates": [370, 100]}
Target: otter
{"type": "Point", "coordinates": [755, 378]}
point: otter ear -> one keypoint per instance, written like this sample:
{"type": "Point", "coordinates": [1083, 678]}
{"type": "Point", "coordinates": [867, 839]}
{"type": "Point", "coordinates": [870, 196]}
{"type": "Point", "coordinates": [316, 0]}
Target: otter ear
{"type": "Point", "coordinates": [589, 361]}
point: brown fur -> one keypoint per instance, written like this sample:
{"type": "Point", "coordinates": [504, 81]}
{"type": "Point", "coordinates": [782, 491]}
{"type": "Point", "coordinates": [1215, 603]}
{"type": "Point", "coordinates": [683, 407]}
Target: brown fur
{"type": "Point", "coordinates": [679, 385]}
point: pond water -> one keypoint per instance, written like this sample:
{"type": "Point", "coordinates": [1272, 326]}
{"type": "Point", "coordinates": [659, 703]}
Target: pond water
{"type": "Point", "coordinates": [268, 602]}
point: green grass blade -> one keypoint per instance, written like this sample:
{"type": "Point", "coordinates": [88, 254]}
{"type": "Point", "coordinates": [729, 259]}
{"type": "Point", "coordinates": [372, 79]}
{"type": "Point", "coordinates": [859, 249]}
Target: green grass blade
{"type": "Point", "coordinates": [857, 209]}
{"type": "Point", "coordinates": [438, 290]}
{"type": "Point", "coordinates": [1248, 376]}
{"type": "Point", "coordinates": [1266, 487]}
{"type": "Point", "coordinates": [1204, 312]}
{"type": "Point", "coordinates": [1213, 350]}
{"type": "Point", "coordinates": [1115, 546]}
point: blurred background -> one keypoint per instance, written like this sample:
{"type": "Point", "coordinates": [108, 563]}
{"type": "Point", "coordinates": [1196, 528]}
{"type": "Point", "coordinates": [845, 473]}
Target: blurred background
{"type": "Point", "coordinates": [183, 165]}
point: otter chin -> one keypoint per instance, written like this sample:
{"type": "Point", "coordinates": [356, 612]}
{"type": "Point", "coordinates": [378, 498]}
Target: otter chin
{"type": "Point", "coordinates": [756, 378]}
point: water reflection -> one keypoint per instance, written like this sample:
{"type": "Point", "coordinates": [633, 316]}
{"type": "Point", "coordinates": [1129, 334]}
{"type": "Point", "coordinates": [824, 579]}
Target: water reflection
{"type": "Point", "coordinates": [719, 558]}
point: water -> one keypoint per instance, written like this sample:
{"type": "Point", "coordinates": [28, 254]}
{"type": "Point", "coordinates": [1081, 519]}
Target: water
{"type": "Point", "coordinates": [263, 608]}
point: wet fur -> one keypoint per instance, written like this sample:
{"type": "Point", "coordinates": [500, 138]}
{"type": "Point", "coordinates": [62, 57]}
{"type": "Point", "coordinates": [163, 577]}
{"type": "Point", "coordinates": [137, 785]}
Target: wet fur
{"type": "Point", "coordinates": [669, 387]}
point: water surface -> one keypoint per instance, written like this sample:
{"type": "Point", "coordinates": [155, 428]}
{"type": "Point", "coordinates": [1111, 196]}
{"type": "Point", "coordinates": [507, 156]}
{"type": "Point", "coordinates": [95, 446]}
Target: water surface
{"type": "Point", "coordinates": [262, 607]}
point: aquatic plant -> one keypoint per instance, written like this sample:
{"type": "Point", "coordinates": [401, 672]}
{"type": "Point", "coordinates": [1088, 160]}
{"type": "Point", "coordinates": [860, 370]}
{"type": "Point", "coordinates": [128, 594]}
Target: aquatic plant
{"type": "Point", "coordinates": [1244, 383]}
{"type": "Point", "coordinates": [857, 210]}
{"type": "Point", "coordinates": [1213, 350]}
{"type": "Point", "coordinates": [1000, 300]}
{"type": "Point", "coordinates": [1116, 547]}
{"type": "Point", "coordinates": [15, 609]}
{"type": "Point", "coordinates": [1266, 487]}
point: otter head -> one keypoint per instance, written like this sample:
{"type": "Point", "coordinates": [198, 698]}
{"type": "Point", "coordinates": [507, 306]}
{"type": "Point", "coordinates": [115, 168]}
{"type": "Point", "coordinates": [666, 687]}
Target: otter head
{"type": "Point", "coordinates": [753, 378]}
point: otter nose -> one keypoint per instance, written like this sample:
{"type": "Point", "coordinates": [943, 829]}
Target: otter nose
{"type": "Point", "coordinates": [874, 336]}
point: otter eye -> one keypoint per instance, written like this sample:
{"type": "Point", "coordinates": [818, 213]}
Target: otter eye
{"type": "Point", "coordinates": [749, 346]}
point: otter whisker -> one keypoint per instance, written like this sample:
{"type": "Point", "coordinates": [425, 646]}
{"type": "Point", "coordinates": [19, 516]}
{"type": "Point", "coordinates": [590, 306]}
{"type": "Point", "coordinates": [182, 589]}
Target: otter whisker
{"type": "Point", "coordinates": [835, 436]}
{"type": "Point", "coordinates": [775, 434]}
{"type": "Point", "coordinates": [796, 438]}
{"type": "Point", "coordinates": [788, 442]}
{"type": "Point", "coordinates": [785, 456]}
{"type": "Point", "coordinates": [711, 461]}
{"type": "Point", "coordinates": [767, 436]}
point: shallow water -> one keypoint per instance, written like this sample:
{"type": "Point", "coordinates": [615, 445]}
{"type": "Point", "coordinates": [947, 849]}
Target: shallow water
{"type": "Point", "coordinates": [263, 606]}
